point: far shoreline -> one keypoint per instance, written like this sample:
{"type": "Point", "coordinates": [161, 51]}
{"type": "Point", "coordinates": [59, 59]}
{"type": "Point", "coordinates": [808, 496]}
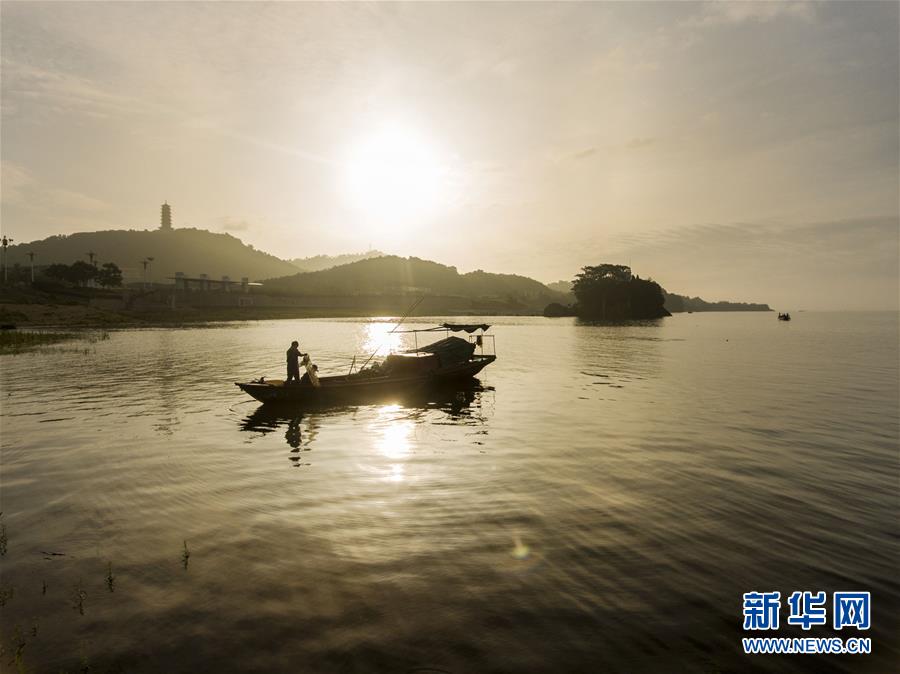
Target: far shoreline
{"type": "Point", "coordinates": [87, 317]}
{"type": "Point", "coordinates": [47, 316]}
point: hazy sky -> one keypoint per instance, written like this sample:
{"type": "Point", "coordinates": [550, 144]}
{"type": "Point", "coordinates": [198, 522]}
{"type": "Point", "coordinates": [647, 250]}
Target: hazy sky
{"type": "Point", "coordinates": [733, 150]}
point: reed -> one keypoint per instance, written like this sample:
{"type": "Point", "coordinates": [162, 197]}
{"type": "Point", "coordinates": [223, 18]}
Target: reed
{"type": "Point", "coordinates": [78, 597]}
{"type": "Point", "coordinates": [6, 593]}
{"type": "Point", "coordinates": [19, 643]}
{"type": "Point", "coordinates": [17, 341]}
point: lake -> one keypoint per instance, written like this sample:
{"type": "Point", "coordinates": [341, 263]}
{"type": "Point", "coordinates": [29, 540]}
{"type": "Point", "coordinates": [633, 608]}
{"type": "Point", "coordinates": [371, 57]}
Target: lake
{"type": "Point", "coordinates": [599, 501]}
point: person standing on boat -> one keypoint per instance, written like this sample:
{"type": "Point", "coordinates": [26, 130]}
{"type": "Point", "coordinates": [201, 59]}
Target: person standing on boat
{"type": "Point", "coordinates": [293, 362]}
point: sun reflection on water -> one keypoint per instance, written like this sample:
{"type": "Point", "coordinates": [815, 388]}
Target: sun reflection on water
{"type": "Point", "coordinates": [393, 437]}
{"type": "Point", "coordinates": [377, 337]}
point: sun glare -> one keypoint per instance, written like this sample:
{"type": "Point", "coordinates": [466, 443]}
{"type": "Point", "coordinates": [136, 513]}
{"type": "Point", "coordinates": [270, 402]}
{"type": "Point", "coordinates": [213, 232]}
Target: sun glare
{"type": "Point", "coordinates": [395, 173]}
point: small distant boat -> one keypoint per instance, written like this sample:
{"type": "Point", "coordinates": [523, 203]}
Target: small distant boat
{"type": "Point", "coordinates": [784, 317]}
{"type": "Point", "coordinates": [449, 360]}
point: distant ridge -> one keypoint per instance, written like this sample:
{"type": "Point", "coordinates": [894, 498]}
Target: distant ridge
{"type": "Point", "coordinates": [320, 262]}
{"type": "Point", "coordinates": [561, 286]}
{"type": "Point", "coordinates": [680, 303]}
{"type": "Point", "coordinates": [392, 275]}
{"type": "Point", "coordinates": [188, 250]}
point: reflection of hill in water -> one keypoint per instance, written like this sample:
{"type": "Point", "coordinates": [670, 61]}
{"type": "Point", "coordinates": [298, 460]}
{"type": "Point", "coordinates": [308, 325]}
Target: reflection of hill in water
{"type": "Point", "coordinates": [459, 405]}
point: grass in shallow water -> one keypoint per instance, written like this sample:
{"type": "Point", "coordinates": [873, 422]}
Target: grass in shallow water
{"type": "Point", "coordinates": [18, 341]}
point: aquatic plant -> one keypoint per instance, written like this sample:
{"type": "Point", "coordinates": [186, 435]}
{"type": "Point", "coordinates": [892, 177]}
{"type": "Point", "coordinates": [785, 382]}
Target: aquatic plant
{"type": "Point", "coordinates": [19, 643]}
{"type": "Point", "coordinates": [84, 665]}
{"type": "Point", "coordinates": [110, 579]}
{"type": "Point", "coordinates": [78, 597]}
{"type": "Point", "coordinates": [100, 336]}
{"type": "Point", "coordinates": [6, 593]}
{"type": "Point", "coordinates": [17, 341]}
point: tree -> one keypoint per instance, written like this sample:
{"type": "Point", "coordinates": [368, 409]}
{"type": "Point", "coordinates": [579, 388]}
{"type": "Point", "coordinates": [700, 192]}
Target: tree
{"type": "Point", "coordinates": [110, 275]}
{"type": "Point", "coordinates": [595, 288]}
{"type": "Point", "coordinates": [556, 310]}
{"type": "Point", "coordinates": [611, 292]}
{"type": "Point", "coordinates": [57, 271]}
{"type": "Point", "coordinates": [80, 272]}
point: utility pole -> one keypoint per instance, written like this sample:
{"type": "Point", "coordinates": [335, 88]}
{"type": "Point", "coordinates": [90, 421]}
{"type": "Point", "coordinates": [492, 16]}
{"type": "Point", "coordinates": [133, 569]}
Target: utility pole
{"type": "Point", "coordinates": [5, 242]}
{"type": "Point", "coordinates": [92, 256]}
{"type": "Point", "coordinates": [145, 262]}
{"type": "Point", "coordinates": [31, 257]}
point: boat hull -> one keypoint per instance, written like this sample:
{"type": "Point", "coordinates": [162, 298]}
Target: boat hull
{"type": "Point", "coordinates": [355, 387]}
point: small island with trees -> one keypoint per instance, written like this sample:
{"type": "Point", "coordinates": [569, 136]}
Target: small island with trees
{"type": "Point", "coordinates": [611, 292]}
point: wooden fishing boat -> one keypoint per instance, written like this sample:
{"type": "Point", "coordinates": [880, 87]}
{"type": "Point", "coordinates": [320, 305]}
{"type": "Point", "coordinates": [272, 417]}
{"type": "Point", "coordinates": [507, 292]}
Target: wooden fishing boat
{"type": "Point", "coordinates": [447, 361]}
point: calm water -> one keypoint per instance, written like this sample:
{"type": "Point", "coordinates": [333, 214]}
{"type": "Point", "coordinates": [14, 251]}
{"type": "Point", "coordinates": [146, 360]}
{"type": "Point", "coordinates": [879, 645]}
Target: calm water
{"type": "Point", "coordinates": [599, 503]}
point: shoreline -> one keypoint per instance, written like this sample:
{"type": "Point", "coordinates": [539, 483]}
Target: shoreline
{"type": "Point", "coordinates": [80, 316]}
{"type": "Point", "coordinates": [87, 317]}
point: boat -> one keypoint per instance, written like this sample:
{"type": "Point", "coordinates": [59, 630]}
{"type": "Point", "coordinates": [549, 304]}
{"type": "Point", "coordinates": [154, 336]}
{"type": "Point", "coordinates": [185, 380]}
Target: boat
{"type": "Point", "coordinates": [448, 361]}
{"type": "Point", "coordinates": [784, 317]}
{"type": "Point", "coordinates": [455, 400]}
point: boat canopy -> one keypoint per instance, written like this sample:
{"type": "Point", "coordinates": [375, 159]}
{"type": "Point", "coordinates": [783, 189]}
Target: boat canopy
{"type": "Point", "coordinates": [467, 327]}
{"type": "Point", "coordinates": [450, 351]}
{"type": "Point", "coordinates": [454, 327]}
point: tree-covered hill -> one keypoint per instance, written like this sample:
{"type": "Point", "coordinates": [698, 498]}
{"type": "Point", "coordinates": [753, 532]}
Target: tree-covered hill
{"type": "Point", "coordinates": [392, 275]}
{"type": "Point", "coordinates": [192, 251]}
{"type": "Point", "coordinates": [680, 303]}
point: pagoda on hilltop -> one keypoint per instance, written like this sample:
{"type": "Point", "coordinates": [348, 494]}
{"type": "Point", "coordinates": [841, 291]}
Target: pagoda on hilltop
{"type": "Point", "coordinates": [165, 218]}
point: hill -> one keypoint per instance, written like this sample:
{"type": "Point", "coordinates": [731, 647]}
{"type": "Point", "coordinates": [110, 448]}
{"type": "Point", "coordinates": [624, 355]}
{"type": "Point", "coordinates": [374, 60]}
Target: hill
{"type": "Point", "coordinates": [561, 286]}
{"type": "Point", "coordinates": [320, 262]}
{"type": "Point", "coordinates": [392, 275]}
{"type": "Point", "coordinates": [192, 251]}
{"type": "Point", "coordinates": [680, 303]}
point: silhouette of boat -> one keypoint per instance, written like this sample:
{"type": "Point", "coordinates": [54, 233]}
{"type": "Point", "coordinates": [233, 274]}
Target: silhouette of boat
{"type": "Point", "coordinates": [447, 361]}
{"type": "Point", "coordinates": [784, 317]}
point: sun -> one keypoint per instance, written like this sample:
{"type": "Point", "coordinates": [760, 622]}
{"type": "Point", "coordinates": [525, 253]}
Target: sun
{"type": "Point", "coordinates": [395, 174]}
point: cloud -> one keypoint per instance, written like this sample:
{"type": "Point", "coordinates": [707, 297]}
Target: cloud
{"type": "Point", "coordinates": [76, 201]}
{"type": "Point", "coordinates": [20, 189]}
{"type": "Point", "coordinates": [848, 263]}
{"type": "Point", "coordinates": [640, 143]}
{"type": "Point", "coordinates": [63, 93]}
{"type": "Point", "coordinates": [230, 224]}
{"type": "Point", "coordinates": [584, 154]}
{"type": "Point", "coordinates": [14, 179]}
{"type": "Point", "coordinates": [754, 11]}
